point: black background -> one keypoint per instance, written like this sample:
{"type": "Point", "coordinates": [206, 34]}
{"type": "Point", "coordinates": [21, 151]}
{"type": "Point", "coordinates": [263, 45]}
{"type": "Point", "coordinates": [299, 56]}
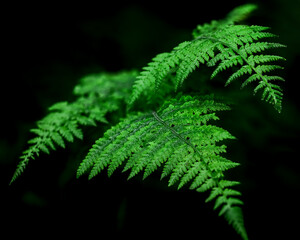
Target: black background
{"type": "Point", "coordinates": [46, 49]}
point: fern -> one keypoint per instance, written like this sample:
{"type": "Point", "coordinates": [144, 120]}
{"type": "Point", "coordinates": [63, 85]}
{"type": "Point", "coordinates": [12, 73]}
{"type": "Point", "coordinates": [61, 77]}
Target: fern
{"type": "Point", "coordinates": [97, 95]}
{"type": "Point", "coordinates": [179, 138]}
{"type": "Point", "coordinates": [221, 44]}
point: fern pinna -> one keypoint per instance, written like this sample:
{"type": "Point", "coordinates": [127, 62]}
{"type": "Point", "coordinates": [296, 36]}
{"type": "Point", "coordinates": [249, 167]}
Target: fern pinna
{"type": "Point", "coordinates": [174, 134]}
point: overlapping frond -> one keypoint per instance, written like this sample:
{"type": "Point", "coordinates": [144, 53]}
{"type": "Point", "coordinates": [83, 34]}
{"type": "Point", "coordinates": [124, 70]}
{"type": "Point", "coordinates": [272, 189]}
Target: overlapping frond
{"type": "Point", "coordinates": [177, 138]}
{"type": "Point", "coordinates": [97, 94]}
{"type": "Point", "coordinates": [184, 58]}
{"type": "Point", "coordinates": [223, 45]}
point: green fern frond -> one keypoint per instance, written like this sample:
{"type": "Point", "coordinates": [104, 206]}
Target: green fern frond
{"type": "Point", "coordinates": [97, 95]}
{"type": "Point", "coordinates": [221, 44]}
{"type": "Point", "coordinates": [177, 138]}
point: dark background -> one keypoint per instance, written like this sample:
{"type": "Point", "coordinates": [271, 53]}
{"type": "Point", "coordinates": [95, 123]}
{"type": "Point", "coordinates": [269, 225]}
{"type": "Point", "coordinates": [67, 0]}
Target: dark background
{"type": "Point", "coordinates": [48, 48]}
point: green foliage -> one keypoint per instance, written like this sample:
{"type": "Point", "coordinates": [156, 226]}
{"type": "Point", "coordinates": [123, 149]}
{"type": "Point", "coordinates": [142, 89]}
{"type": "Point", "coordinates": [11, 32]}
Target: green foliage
{"type": "Point", "coordinates": [173, 134]}
{"type": "Point", "coordinates": [179, 139]}
{"type": "Point", "coordinates": [221, 44]}
{"type": "Point", "coordinates": [181, 125]}
{"type": "Point", "coordinates": [96, 96]}
{"type": "Point", "coordinates": [238, 45]}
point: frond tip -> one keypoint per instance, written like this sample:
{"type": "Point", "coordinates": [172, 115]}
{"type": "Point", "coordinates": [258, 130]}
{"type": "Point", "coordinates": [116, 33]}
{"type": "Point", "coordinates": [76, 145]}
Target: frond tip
{"type": "Point", "coordinates": [177, 138]}
{"type": "Point", "coordinates": [239, 47]}
{"type": "Point", "coordinates": [234, 216]}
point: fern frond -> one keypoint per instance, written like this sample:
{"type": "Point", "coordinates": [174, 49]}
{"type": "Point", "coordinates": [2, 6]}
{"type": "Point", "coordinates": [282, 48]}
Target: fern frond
{"type": "Point", "coordinates": [224, 45]}
{"type": "Point", "coordinates": [178, 138]}
{"type": "Point", "coordinates": [97, 95]}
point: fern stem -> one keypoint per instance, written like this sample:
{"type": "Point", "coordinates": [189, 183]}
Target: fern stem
{"type": "Point", "coordinates": [174, 132]}
{"type": "Point", "coordinates": [205, 165]}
